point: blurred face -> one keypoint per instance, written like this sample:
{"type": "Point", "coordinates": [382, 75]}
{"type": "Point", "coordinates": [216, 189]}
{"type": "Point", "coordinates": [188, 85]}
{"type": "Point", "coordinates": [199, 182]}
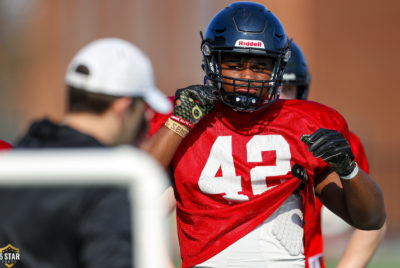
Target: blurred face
{"type": "Point", "coordinates": [134, 125]}
{"type": "Point", "coordinates": [251, 68]}
{"type": "Point", "coordinates": [289, 92]}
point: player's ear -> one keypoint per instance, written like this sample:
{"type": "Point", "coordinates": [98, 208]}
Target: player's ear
{"type": "Point", "coordinates": [120, 105]}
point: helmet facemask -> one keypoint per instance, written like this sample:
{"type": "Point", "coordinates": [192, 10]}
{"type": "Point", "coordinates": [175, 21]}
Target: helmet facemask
{"type": "Point", "coordinates": [259, 93]}
{"type": "Point", "coordinates": [250, 30]}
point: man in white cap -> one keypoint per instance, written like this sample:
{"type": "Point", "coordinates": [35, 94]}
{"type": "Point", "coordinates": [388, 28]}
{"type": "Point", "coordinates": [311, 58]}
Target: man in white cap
{"type": "Point", "coordinates": [109, 83]}
{"type": "Point", "coordinates": [108, 80]}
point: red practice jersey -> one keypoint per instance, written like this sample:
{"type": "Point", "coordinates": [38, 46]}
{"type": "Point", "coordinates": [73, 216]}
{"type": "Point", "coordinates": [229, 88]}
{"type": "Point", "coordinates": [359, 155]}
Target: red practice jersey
{"type": "Point", "coordinates": [315, 253]}
{"type": "Point", "coordinates": [233, 171]}
{"type": "Point", "coordinates": [4, 145]}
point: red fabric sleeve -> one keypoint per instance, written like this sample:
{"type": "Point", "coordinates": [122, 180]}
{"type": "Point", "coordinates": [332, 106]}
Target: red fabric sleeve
{"type": "Point", "coordinates": [4, 145]}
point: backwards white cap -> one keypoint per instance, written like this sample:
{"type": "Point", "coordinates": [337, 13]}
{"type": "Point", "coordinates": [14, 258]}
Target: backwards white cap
{"type": "Point", "coordinates": [117, 68]}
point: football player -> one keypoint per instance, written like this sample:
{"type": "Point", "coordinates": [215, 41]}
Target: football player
{"type": "Point", "coordinates": [362, 245]}
{"type": "Point", "coordinates": [246, 165]}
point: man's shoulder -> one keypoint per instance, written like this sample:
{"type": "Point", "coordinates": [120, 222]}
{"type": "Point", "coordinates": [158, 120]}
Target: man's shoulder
{"type": "Point", "coordinates": [46, 133]}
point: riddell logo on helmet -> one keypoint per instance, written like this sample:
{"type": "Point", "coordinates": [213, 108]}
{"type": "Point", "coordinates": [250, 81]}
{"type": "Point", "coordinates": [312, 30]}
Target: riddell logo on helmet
{"type": "Point", "coordinates": [289, 76]}
{"type": "Point", "coordinates": [249, 43]}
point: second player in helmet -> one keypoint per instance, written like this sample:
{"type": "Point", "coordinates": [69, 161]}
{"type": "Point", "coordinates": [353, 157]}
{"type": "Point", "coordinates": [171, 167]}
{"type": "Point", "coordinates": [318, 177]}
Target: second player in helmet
{"type": "Point", "coordinates": [296, 78]}
{"type": "Point", "coordinates": [362, 245]}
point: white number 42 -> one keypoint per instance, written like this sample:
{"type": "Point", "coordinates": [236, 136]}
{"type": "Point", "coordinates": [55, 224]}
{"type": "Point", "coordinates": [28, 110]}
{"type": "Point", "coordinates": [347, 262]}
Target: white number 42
{"type": "Point", "coordinates": [229, 183]}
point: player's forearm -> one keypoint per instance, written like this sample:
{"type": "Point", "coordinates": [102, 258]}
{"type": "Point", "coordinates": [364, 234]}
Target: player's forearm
{"type": "Point", "coordinates": [364, 200]}
{"type": "Point", "coordinates": [359, 198]}
{"type": "Point", "coordinates": [162, 145]}
{"type": "Point", "coordinates": [361, 248]}
{"type": "Point", "coordinates": [191, 104]}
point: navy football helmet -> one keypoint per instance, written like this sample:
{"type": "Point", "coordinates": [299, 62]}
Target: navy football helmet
{"type": "Point", "coordinates": [252, 30]}
{"type": "Point", "coordinates": [296, 72]}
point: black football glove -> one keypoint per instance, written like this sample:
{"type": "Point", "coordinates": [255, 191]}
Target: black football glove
{"type": "Point", "coordinates": [333, 148]}
{"type": "Point", "coordinates": [193, 102]}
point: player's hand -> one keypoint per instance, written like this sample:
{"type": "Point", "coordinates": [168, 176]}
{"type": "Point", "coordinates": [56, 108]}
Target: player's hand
{"type": "Point", "coordinates": [193, 102]}
{"type": "Point", "coordinates": [333, 148]}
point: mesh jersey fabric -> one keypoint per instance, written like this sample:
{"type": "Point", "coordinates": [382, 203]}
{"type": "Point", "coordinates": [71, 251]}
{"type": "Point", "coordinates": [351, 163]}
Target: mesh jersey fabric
{"type": "Point", "coordinates": [250, 154]}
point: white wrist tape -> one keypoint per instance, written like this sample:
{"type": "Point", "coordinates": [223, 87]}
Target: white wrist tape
{"type": "Point", "coordinates": [352, 174]}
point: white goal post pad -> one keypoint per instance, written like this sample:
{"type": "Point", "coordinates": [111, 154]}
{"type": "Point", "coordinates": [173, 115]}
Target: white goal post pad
{"type": "Point", "coordinates": [122, 166]}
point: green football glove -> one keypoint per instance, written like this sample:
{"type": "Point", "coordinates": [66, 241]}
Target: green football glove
{"type": "Point", "coordinates": [192, 103]}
